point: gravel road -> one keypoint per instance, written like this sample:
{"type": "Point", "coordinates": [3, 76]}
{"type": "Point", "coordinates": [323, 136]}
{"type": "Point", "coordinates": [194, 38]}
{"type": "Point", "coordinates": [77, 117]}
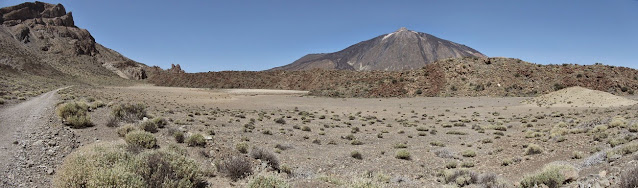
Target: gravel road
{"type": "Point", "coordinates": [32, 142]}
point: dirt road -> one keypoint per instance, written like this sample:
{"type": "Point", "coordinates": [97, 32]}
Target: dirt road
{"type": "Point", "coordinates": [30, 142]}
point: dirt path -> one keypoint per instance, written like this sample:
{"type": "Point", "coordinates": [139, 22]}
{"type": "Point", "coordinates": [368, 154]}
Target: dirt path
{"type": "Point", "coordinates": [31, 143]}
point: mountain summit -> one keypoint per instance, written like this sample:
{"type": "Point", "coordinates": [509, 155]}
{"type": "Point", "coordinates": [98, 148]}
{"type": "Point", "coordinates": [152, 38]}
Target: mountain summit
{"type": "Point", "coordinates": [400, 50]}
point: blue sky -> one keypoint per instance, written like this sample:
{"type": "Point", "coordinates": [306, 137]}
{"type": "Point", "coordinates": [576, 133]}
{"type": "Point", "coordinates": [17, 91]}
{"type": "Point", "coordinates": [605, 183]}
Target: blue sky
{"type": "Point", "coordinates": [256, 35]}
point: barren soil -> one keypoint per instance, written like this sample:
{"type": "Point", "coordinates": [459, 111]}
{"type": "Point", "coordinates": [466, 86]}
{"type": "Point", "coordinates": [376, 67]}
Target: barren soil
{"type": "Point", "coordinates": [495, 128]}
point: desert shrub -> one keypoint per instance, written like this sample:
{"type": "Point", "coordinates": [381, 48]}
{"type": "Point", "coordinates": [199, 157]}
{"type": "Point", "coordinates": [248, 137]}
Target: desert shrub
{"type": "Point", "coordinates": [1, 101]}
{"type": "Point", "coordinates": [403, 154]}
{"type": "Point", "coordinates": [242, 147]}
{"type": "Point", "coordinates": [617, 121]}
{"type": "Point", "coordinates": [196, 140]}
{"type": "Point", "coordinates": [160, 122]}
{"type": "Point", "coordinates": [148, 126]}
{"type": "Point", "coordinates": [629, 179]}
{"type": "Point", "coordinates": [532, 134]}
{"type": "Point", "coordinates": [552, 176]}
{"type": "Point", "coordinates": [97, 104]}
{"type": "Point", "coordinates": [469, 153]}
{"type": "Point", "coordinates": [123, 130]}
{"type": "Point", "coordinates": [268, 182]}
{"type": "Point", "coordinates": [305, 128]}
{"type": "Point", "coordinates": [451, 164]}
{"type": "Point", "coordinates": [179, 136]}
{"type": "Point", "coordinates": [112, 122]}
{"type": "Point", "coordinates": [460, 177]}
{"type": "Point", "coordinates": [533, 149]}
{"type": "Point", "coordinates": [236, 167]}
{"type": "Point", "coordinates": [467, 164]}
{"type": "Point", "coordinates": [111, 165]}
{"type": "Point", "coordinates": [75, 114]}
{"type": "Point", "coordinates": [264, 155]}
{"type": "Point", "coordinates": [141, 139]}
{"type": "Point", "coordinates": [129, 112]}
{"type": "Point", "coordinates": [280, 121]}
{"type": "Point", "coordinates": [437, 143]}
{"type": "Point", "coordinates": [633, 128]}
{"type": "Point", "coordinates": [356, 155]}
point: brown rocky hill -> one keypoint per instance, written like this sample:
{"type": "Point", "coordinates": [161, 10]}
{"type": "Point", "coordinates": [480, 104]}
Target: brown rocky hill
{"type": "Point", "coordinates": [401, 50]}
{"type": "Point", "coordinates": [40, 45]}
{"type": "Point", "coordinates": [451, 77]}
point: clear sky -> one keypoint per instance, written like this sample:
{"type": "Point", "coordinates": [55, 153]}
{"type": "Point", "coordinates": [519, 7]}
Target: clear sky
{"type": "Point", "coordinates": [256, 35]}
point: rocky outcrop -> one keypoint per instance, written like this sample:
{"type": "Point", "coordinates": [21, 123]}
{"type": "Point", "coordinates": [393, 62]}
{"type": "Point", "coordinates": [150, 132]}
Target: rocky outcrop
{"type": "Point", "coordinates": [401, 50]}
{"type": "Point", "coordinates": [47, 35]}
{"type": "Point", "coordinates": [48, 27]}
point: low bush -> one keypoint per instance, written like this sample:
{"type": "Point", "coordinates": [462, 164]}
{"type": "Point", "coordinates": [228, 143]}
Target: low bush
{"type": "Point", "coordinates": [242, 147]}
{"type": "Point", "coordinates": [265, 156]}
{"type": "Point", "coordinates": [75, 114]}
{"type": "Point", "coordinates": [268, 182]}
{"type": "Point", "coordinates": [111, 165]}
{"type": "Point", "coordinates": [356, 155]}
{"type": "Point", "coordinates": [552, 176]}
{"type": "Point", "coordinates": [129, 112]}
{"type": "Point", "coordinates": [148, 126]}
{"type": "Point", "coordinates": [141, 139]}
{"type": "Point", "coordinates": [469, 153]}
{"type": "Point", "coordinates": [237, 167]}
{"type": "Point", "coordinates": [160, 122]}
{"type": "Point", "coordinates": [533, 149]}
{"type": "Point", "coordinates": [179, 136]}
{"type": "Point", "coordinates": [403, 154]}
{"type": "Point", "coordinates": [196, 140]}
{"type": "Point", "coordinates": [123, 130]}
{"type": "Point", "coordinates": [629, 178]}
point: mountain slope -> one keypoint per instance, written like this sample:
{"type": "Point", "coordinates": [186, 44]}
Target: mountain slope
{"type": "Point", "coordinates": [400, 50]}
{"type": "Point", "coordinates": [40, 47]}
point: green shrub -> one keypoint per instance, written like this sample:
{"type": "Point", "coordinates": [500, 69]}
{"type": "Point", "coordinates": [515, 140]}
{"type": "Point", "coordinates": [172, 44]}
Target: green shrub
{"type": "Point", "coordinates": [129, 112]}
{"type": "Point", "coordinates": [123, 130]}
{"type": "Point", "coordinates": [617, 121]}
{"type": "Point", "coordinates": [196, 140]}
{"type": "Point", "coordinates": [160, 122]}
{"type": "Point", "coordinates": [2, 101]}
{"type": "Point", "coordinates": [179, 136]}
{"type": "Point", "coordinates": [111, 165]}
{"type": "Point", "coordinates": [141, 139]}
{"type": "Point", "coordinates": [403, 154]}
{"type": "Point", "coordinates": [305, 128]}
{"type": "Point", "coordinates": [148, 126]}
{"type": "Point", "coordinates": [633, 128]}
{"type": "Point", "coordinates": [552, 175]}
{"type": "Point", "coordinates": [467, 164]}
{"type": "Point", "coordinates": [242, 147]}
{"type": "Point", "coordinates": [533, 149]}
{"type": "Point", "coordinates": [75, 114]}
{"type": "Point", "coordinates": [268, 182]}
{"type": "Point", "coordinates": [469, 153]}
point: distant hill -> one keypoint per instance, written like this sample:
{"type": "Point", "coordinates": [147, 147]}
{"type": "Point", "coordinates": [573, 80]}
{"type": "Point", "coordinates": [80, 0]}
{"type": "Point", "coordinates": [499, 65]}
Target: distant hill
{"type": "Point", "coordinates": [401, 50]}
{"type": "Point", "coordinates": [468, 76]}
{"type": "Point", "coordinates": [41, 45]}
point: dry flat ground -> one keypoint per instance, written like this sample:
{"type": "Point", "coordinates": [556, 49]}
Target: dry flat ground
{"type": "Point", "coordinates": [316, 136]}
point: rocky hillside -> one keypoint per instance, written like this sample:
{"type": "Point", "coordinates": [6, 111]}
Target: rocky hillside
{"type": "Point", "coordinates": [41, 45]}
{"type": "Point", "coordinates": [401, 50]}
{"type": "Point", "coordinates": [450, 77]}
